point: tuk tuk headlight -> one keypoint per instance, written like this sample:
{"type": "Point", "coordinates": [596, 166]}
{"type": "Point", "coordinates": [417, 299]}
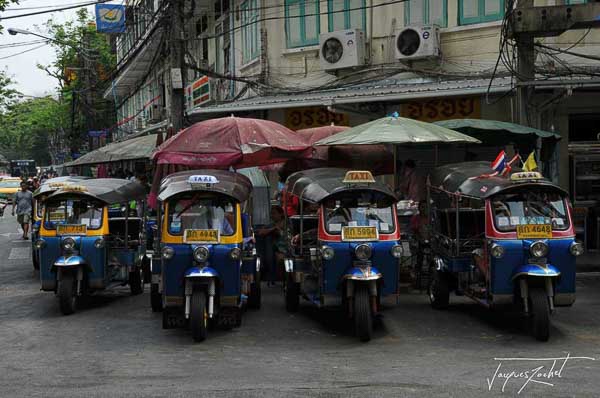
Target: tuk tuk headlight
{"type": "Point", "coordinates": [396, 251]}
{"type": "Point", "coordinates": [497, 251]}
{"type": "Point", "coordinates": [327, 252]}
{"type": "Point", "coordinates": [538, 249]}
{"type": "Point", "coordinates": [99, 243]}
{"type": "Point", "coordinates": [68, 244]}
{"type": "Point", "coordinates": [40, 244]}
{"type": "Point", "coordinates": [201, 254]}
{"type": "Point", "coordinates": [363, 252]}
{"type": "Point", "coordinates": [168, 252]}
{"type": "Point", "coordinates": [576, 249]}
{"type": "Point", "coordinates": [235, 253]}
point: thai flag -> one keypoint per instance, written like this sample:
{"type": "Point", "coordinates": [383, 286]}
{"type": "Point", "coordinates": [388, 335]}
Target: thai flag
{"type": "Point", "coordinates": [499, 165]}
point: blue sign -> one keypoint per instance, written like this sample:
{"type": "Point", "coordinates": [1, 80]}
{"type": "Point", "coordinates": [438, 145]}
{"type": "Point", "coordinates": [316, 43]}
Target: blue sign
{"type": "Point", "coordinates": [110, 18]}
{"type": "Point", "coordinates": [97, 133]}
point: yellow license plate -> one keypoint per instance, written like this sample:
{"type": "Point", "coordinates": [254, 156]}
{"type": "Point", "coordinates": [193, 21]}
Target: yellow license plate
{"type": "Point", "coordinates": [201, 236]}
{"type": "Point", "coordinates": [359, 233]}
{"type": "Point", "coordinates": [532, 231]}
{"type": "Point", "coordinates": [71, 229]}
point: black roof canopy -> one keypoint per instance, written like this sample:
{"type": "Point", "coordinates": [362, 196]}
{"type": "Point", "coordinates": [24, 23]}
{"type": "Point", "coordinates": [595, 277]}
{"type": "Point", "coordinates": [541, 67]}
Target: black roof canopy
{"type": "Point", "coordinates": [107, 190]}
{"type": "Point", "coordinates": [315, 185]}
{"type": "Point", "coordinates": [232, 184]}
{"type": "Point", "coordinates": [54, 184]}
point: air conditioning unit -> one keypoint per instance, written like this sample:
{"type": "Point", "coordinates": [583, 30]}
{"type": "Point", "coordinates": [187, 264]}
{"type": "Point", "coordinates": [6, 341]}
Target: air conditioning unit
{"type": "Point", "coordinates": [155, 114]}
{"type": "Point", "coordinates": [342, 49]}
{"type": "Point", "coordinates": [139, 123]}
{"type": "Point", "coordinates": [417, 42]}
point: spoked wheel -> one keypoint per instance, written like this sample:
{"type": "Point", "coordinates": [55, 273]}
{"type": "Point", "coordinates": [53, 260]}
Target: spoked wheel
{"type": "Point", "coordinates": [198, 315]}
{"type": "Point", "coordinates": [135, 281]}
{"type": "Point", "coordinates": [155, 298]}
{"type": "Point", "coordinates": [540, 314]}
{"type": "Point", "coordinates": [255, 295]}
{"type": "Point", "coordinates": [292, 295]}
{"type": "Point", "coordinates": [439, 291]}
{"type": "Point", "coordinates": [67, 293]}
{"type": "Point", "coordinates": [363, 318]}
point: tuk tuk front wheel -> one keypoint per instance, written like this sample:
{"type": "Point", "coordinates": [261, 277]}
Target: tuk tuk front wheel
{"type": "Point", "coordinates": [363, 319]}
{"type": "Point", "coordinates": [135, 282]}
{"type": "Point", "coordinates": [198, 315]}
{"type": "Point", "coordinates": [292, 295]}
{"type": "Point", "coordinates": [540, 314]}
{"type": "Point", "coordinates": [439, 291]}
{"type": "Point", "coordinates": [155, 298]}
{"type": "Point", "coordinates": [67, 292]}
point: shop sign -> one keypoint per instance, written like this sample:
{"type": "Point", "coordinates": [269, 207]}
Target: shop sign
{"type": "Point", "coordinates": [436, 109]}
{"type": "Point", "coordinates": [198, 93]}
{"type": "Point", "coordinates": [314, 116]}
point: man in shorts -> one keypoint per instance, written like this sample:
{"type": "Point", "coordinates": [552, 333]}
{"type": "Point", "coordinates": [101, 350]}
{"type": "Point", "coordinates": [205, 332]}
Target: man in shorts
{"type": "Point", "coordinates": [23, 201]}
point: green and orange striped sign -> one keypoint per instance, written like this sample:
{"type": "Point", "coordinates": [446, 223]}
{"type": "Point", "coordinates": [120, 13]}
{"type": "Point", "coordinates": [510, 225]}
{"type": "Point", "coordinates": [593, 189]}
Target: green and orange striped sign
{"type": "Point", "coordinates": [198, 93]}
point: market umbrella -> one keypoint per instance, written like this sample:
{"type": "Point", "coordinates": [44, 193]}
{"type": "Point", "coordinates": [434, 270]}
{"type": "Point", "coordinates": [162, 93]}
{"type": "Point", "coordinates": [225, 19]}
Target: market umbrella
{"type": "Point", "coordinates": [486, 129]}
{"type": "Point", "coordinates": [315, 134]}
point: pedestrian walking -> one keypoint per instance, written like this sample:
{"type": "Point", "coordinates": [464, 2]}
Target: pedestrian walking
{"type": "Point", "coordinates": [23, 201]}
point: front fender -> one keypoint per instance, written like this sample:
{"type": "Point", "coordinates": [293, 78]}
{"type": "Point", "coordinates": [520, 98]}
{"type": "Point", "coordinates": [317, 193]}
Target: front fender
{"type": "Point", "coordinates": [69, 262]}
{"type": "Point", "coordinates": [535, 270]}
{"type": "Point", "coordinates": [201, 272]}
{"type": "Point", "coordinates": [362, 274]}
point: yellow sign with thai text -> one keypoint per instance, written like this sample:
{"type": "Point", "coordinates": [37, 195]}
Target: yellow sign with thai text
{"type": "Point", "coordinates": [71, 229]}
{"type": "Point", "coordinates": [533, 231]}
{"type": "Point", "coordinates": [314, 116]}
{"type": "Point", "coordinates": [209, 236]}
{"type": "Point", "coordinates": [358, 234]}
{"type": "Point", "coordinates": [436, 109]}
{"type": "Point", "coordinates": [357, 177]}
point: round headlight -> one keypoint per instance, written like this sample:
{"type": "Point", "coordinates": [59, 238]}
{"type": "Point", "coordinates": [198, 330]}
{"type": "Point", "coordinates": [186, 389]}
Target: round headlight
{"type": "Point", "coordinates": [539, 249]}
{"type": "Point", "coordinates": [201, 254]}
{"type": "Point", "coordinates": [235, 253]}
{"type": "Point", "coordinates": [327, 252]}
{"type": "Point", "coordinates": [99, 243]}
{"type": "Point", "coordinates": [168, 252]}
{"type": "Point", "coordinates": [40, 244]}
{"type": "Point", "coordinates": [576, 248]}
{"type": "Point", "coordinates": [396, 251]}
{"type": "Point", "coordinates": [497, 251]}
{"type": "Point", "coordinates": [68, 244]}
{"type": "Point", "coordinates": [363, 252]}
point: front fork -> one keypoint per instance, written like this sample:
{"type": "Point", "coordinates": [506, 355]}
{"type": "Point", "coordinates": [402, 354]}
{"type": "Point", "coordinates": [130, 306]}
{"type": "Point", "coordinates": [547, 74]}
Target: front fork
{"type": "Point", "coordinates": [211, 291]}
{"type": "Point", "coordinates": [78, 277]}
{"type": "Point", "coordinates": [524, 287]}
{"type": "Point", "coordinates": [372, 284]}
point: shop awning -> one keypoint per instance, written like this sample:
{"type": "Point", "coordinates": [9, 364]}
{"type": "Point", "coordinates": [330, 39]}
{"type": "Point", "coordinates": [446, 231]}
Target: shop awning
{"type": "Point", "coordinates": [136, 148]}
{"type": "Point", "coordinates": [476, 127]}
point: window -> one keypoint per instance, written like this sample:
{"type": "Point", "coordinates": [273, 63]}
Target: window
{"type": "Point", "coordinates": [88, 213]}
{"type": "Point", "coordinates": [424, 12]}
{"type": "Point", "coordinates": [193, 211]}
{"type": "Point", "coordinates": [478, 11]}
{"type": "Point", "coordinates": [202, 33]}
{"type": "Point", "coordinates": [250, 38]}
{"type": "Point", "coordinates": [346, 14]}
{"type": "Point", "coordinates": [302, 25]}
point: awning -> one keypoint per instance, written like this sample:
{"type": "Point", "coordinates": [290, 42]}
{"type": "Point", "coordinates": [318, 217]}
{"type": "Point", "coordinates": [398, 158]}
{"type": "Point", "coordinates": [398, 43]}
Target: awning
{"type": "Point", "coordinates": [136, 148]}
{"type": "Point", "coordinates": [392, 89]}
{"type": "Point", "coordinates": [476, 127]}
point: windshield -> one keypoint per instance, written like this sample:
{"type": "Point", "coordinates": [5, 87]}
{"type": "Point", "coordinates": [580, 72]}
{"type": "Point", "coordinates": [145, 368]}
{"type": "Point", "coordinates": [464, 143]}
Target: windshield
{"type": "Point", "coordinates": [73, 212]}
{"type": "Point", "coordinates": [524, 208]}
{"type": "Point", "coordinates": [358, 211]}
{"type": "Point", "coordinates": [195, 211]}
{"type": "Point", "coordinates": [10, 184]}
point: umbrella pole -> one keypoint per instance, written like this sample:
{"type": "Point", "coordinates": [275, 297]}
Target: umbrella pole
{"type": "Point", "coordinates": [395, 168]}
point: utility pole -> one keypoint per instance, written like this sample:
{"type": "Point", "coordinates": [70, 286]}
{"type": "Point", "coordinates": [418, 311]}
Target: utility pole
{"type": "Point", "coordinates": [88, 97]}
{"type": "Point", "coordinates": [526, 72]}
{"type": "Point", "coordinates": [177, 63]}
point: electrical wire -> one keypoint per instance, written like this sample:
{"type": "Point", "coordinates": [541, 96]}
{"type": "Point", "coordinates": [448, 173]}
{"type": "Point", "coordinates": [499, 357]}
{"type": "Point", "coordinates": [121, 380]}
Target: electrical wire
{"type": "Point", "coordinates": [22, 44]}
{"type": "Point", "coordinates": [54, 10]}
{"type": "Point", "coordinates": [23, 52]}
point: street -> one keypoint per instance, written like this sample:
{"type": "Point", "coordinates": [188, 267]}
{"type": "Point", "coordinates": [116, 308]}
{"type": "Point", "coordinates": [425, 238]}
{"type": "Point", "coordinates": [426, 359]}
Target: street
{"type": "Point", "coordinates": [116, 347]}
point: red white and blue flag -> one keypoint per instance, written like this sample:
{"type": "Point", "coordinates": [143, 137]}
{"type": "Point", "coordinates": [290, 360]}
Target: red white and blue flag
{"type": "Point", "coordinates": [500, 166]}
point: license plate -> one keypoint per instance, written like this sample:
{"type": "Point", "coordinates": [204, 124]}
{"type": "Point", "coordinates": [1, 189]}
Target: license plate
{"type": "Point", "coordinates": [533, 231]}
{"type": "Point", "coordinates": [201, 236]}
{"type": "Point", "coordinates": [354, 234]}
{"type": "Point", "coordinates": [71, 229]}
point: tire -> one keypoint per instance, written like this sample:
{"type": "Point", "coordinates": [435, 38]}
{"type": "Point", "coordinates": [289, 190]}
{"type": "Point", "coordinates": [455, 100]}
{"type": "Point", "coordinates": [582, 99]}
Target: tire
{"type": "Point", "coordinates": [146, 270]}
{"type": "Point", "coordinates": [439, 291]}
{"type": "Point", "coordinates": [363, 319]}
{"type": "Point", "coordinates": [292, 296]}
{"type": "Point", "coordinates": [67, 293]}
{"type": "Point", "coordinates": [155, 298]}
{"type": "Point", "coordinates": [135, 282]}
{"type": "Point", "coordinates": [255, 296]}
{"type": "Point", "coordinates": [198, 315]}
{"type": "Point", "coordinates": [540, 314]}
{"type": "Point", "coordinates": [36, 260]}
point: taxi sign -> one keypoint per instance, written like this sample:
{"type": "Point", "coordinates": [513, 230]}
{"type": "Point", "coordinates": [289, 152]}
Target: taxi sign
{"type": "Point", "coordinates": [359, 234]}
{"type": "Point", "coordinates": [71, 229]}
{"type": "Point", "coordinates": [534, 231]}
{"type": "Point", "coordinates": [203, 179]}
{"type": "Point", "coordinates": [358, 177]}
{"type": "Point", "coordinates": [74, 188]}
{"type": "Point", "coordinates": [209, 236]}
{"type": "Point", "coordinates": [57, 184]}
{"type": "Point", "coordinates": [526, 175]}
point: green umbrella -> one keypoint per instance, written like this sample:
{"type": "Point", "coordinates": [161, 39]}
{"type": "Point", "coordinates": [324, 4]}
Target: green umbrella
{"type": "Point", "coordinates": [398, 131]}
{"type": "Point", "coordinates": [483, 126]}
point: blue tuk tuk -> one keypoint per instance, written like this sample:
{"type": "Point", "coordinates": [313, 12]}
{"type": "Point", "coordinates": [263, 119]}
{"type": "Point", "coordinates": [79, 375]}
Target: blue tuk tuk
{"type": "Point", "coordinates": [344, 243]}
{"type": "Point", "coordinates": [82, 250]}
{"type": "Point", "coordinates": [502, 240]}
{"type": "Point", "coordinates": [207, 261]}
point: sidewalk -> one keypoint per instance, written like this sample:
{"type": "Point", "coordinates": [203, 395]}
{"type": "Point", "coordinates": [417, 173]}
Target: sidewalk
{"type": "Point", "coordinates": [589, 262]}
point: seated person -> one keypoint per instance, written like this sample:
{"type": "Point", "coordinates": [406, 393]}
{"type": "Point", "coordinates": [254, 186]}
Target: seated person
{"type": "Point", "coordinates": [277, 232]}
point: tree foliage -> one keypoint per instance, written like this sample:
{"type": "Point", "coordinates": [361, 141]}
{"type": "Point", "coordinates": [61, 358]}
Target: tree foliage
{"type": "Point", "coordinates": [4, 4]}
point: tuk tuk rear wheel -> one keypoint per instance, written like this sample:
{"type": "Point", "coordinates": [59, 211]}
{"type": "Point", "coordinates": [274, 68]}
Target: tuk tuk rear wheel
{"type": "Point", "coordinates": [36, 261]}
{"type": "Point", "coordinates": [292, 295]}
{"type": "Point", "coordinates": [155, 298]}
{"type": "Point", "coordinates": [198, 315]}
{"type": "Point", "coordinates": [67, 293]}
{"type": "Point", "coordinates": [439, 291]}
{"type": "Point", "coordinates": [135, 282]}
{"type": "Point", "coordinates": [540, 314]}
{"type": "Point", "coordinates": [363, 319]}
{"type": "Point", "coordinates": [254, 300]}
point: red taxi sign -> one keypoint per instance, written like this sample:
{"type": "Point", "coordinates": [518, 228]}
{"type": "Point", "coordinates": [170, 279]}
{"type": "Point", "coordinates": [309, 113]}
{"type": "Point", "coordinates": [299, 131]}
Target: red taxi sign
{"type": "Point", "coordinates": [358, 177]}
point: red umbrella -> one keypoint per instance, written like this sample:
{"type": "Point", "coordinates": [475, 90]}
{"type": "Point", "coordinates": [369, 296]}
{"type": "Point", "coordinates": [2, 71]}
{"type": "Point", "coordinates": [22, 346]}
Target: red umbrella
{"type": "Point", "coordinates": [315, 134]}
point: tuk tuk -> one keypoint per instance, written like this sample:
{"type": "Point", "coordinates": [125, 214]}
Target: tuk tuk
{"type": "Point", "coordinates": [82, 250]}
{"type": "Point", "coordinates": [40, 194]}
{"type": "Point", "coordinates": [344, 243]}
{"type": "Point", "coordinates": [502, 240]}
{"type": "Point", "coordinates": [207, 267]}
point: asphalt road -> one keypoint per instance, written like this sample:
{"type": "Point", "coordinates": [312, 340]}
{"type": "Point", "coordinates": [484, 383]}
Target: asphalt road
{"type": "Point", "coordinates": [116, 348]}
